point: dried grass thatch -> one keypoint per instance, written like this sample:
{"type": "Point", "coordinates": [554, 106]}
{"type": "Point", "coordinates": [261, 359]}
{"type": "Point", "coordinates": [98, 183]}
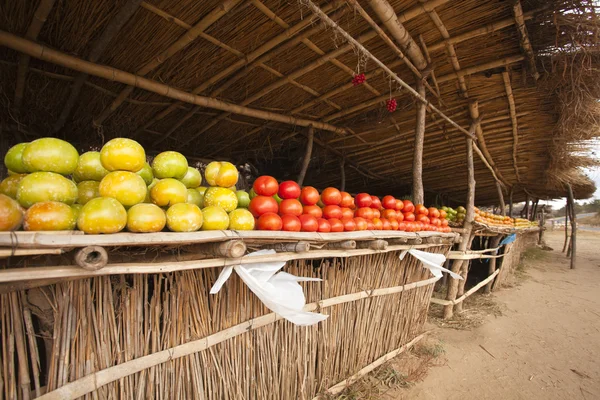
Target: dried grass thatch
{"type": "Point", "coordinates": [275, 56]}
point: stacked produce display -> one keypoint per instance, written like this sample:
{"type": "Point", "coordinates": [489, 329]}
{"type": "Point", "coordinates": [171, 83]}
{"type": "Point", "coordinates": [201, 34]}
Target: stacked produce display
{"type": "Point", "coordinates": [501, 221]}
{"type": "Point", "coordinates": [51, 187]}
{"type": "Point", "coordinates": [456, 217]}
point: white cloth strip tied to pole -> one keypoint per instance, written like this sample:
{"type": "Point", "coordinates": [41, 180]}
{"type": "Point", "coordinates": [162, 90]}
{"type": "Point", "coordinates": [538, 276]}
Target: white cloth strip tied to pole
{"type": "Point", "coordinates": [280, 292]}
{"type": "Point", "coordinates": [431, 261]}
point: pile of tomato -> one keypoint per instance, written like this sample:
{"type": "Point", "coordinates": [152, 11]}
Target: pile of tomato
{"type": "Point", "coordinates": [287, 207]}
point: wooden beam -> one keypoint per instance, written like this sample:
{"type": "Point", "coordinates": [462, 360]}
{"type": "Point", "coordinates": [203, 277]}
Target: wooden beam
{"type": "Point", "coordinates": [501, 203]}
{"type": "Point", "coordinates": [513, 118]}
{"type": "Point", "coordinates": [43, 53]}
{"type": "Point", "coordinates": [315, 9]}
{"type": "Point", "coordinates": [468, 225]}
{"type": "Point", "coordinates": [181, 43]}
{"type": "Point", "coordinates": [524, 39]}
{"type": "Point", "coordinates": [39, 18]}
{"type": "Point", "coordinates": [307, 155]}
{"type": "Point", "coordinates": [418, 196]}
{"type": "Point", "coordinates": [100, 44]}
{"type": "Point", "coordinates": [388, 17]}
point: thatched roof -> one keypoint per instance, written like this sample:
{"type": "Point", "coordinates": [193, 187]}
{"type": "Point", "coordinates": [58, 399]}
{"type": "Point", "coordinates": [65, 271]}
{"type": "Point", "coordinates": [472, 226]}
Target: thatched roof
{"type": "Point", "coordinates": [277, 56]}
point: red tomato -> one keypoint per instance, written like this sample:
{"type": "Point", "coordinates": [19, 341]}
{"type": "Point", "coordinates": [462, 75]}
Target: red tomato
{"type": "Point", "coordinates": [443, 214]}
{"type": "Point", "coordinates": [408, 206]}
{"type": "Point", "coordinates": [291, 207]}
{"type": "Point", "coordinates": [386, 224]}
{"type": "Point", "coordinates": [402, 226]}
{"type": "Point", "coordinates": [421, 209]}
{"type": "Point", "coordinates": [389, 202]}
{"type": "Point", "coordinates": [309, 223]}
{"type": "Point", "coordinates": [365, 212]}
{"type": "Point", "coordinates": [347, 200]}
{"type": "Point", "coordinates": [399, 216]}
{"type": "Point", "coordinates": [265, 185]}
{"type": "Point", "coordinates": [394, 224]}
{"type": "Point", "coordinates": [361, 224]}
{"type": "Point", "coordinates": [409, 217]}
{"type": "Point", "coordinates": [315, 211]}
{"type": "Point", "coordinates": [363, 200]}
{"type": "Point", "coordinates": [269, 222]}
{"type": "Point", "coordinates": [399, 205]}
{"type": "Point", "coordinates": [444, 223]}
{"type": "Point", "coordinates": [289, 190]}
{"type": "Point", "coordinates": [263, 204]}
{"type": "Point", "coordinates": [376, 214]}
{"type": "Point", "coordinates": [309, 196]}
{"type": "Point", "coordinates": [332, 211]}
{"type": "Point", "coordinates": [436, 221]}
{"type": "Point", "coordinates": [377, 224]}
{"type": "Point", "coordinates": [323, 225]}
{"type": "Point", "coordinates": [349, 224]}
{"type": "Point", "coordinates": [375, 202]}
{"type": "Point", "coordinates": [291, 223]}
{"type": "Point", "coordinates": [423, 218]}
{"type": "Point", "coordinates": [389, 214]}
{"type": "Point", "coordinates": [370, 226]}
{"type": "Point", "coordinates": [336, 225]}
{"type": "Point", "coordinates": [347, 213]}
{"type": "Point", "coordinates": [434, 212]}
{"type": "Point", "coordinates": [331, 196]}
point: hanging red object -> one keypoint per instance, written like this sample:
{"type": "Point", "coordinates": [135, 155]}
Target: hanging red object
{"type": "Point", "coordinates": [392, 105]}
{"type": "Point", "coordinates": [359, 79]}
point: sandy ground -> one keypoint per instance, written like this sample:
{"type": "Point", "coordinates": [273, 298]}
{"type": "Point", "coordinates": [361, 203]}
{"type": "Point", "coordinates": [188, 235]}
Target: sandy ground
{"type": "Point", "coordinates": [546, 345]}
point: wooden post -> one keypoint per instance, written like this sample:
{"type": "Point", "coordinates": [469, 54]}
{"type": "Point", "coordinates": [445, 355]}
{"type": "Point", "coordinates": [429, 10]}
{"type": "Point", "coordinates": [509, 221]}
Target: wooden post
{"type": "Point", "coordinates": [417, 183]}
{"type": "Point", "coordinates": [307, 155]}
{"type": "Point", "coordinates": [573, 225]}
{"type": "Point", "coordinates": [466, 242]}
{"type": "Point", "coordinates": [526, 209]}
{"type": "Point", "coordinates": [510, 202]}
{"type": "Point", "coordinates": [493, 242]}
{"type": "Point", "coordinates": [534, 207]}
{"type": "Point", "coordinates": [566, 226]}
{"type": "Point", "coordinates": [501, 199]}
{"type": "Point", "coordinates": [464, 272]}
{"type": "Point", "coordinates": [343, 175]}
{"type": "Point", "coordinates": [542, 224]}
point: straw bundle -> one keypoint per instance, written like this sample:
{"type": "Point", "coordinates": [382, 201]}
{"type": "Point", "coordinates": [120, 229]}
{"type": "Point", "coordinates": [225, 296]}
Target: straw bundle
{"type": "Point", "coordinates": [106, 321]}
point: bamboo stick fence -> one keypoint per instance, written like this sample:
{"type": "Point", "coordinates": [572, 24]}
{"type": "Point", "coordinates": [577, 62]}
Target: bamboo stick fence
{"type": "Point", "coordinates": [161, 335]}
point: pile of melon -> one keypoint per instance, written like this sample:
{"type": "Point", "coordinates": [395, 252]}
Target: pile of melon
{"type": "Point", "coordinates": [51, 187]}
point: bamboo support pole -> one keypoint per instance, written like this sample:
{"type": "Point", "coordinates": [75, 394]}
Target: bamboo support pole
{"type": "Point", "coordinates": [513, 118]}
{"type": "Point", "coordinates": [227, 249]}
{"type": "Point", "coordinates": [345, 245]}
{"type": "Point", "coordinates": [524, 39]}
{"type": "Point", "coordinates": [466, 242]}
{"type": "Point", "coordinates": [295, 247]}
{"type": "Point", "coordinates": [307, 155]}
{"type": "Point", "coordinates": [418, 195]}
{"type": "Point", "coordinates": [53, 56]}
{"type": "Point", "coordinates": [110, 31]}
{"type": "Point", "coordinates": [377, 244]}
{"type": "Point", "coordinates": [315, 9]}
{"type": "Point", "coordinates": [39, 19]}
{"type": "Point", "coordinates": [98, 379]}
{"type": "Point", "coordinates": [181, 43]}
{"type": "Point", "coordinates": [573, 225]}
{"type": "Point", "coordinates": [494, 241]}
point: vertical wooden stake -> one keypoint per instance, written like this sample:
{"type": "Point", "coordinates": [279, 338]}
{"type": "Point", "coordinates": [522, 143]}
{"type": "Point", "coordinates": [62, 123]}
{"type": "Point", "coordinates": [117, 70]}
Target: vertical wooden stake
{"type": "Point", "coordinates": [417, 182]}
{"type": "Point", "coordinates": [566, 225]}
{"type": "Point", "coordinates": [526, 209]}
{"type": "Point", "coordinates": [534, 207]}
{"type": "Point", "coordinates": [573, 225]}
{"type": "Point", "coordinates": [501, 199]}
{"type": "Point", "coordinates": [542, 224]}
{"type": "Point", "coordinates": [510, 202]}
{"type": "Point", "coordinates": [466, 242]}
{"type": "Point", "coordinates": [492, 266]}
{"type": "Point", "coordinates": [307, 155]}
{"type": "Point", "coordinates": [343, 175]}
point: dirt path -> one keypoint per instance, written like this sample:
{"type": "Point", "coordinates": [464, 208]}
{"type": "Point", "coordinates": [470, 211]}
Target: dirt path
{"type": "Point", "coordinates": [546, 345]}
